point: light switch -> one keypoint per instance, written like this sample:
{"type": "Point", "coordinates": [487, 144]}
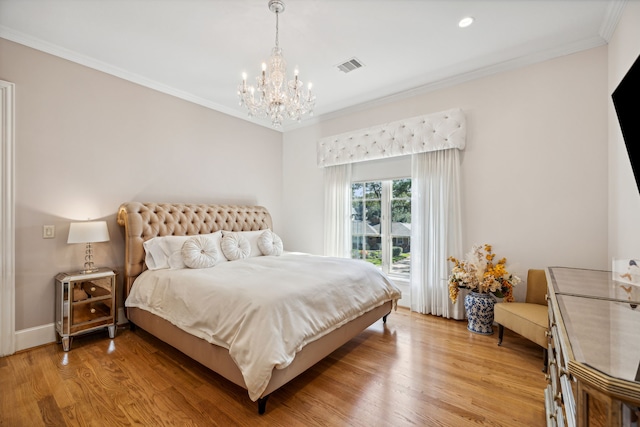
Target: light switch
{"type": "Point", "coordinates": [48, 231]}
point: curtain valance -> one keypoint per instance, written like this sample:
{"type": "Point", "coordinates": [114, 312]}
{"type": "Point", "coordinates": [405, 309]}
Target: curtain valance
{"type": "Point", "coordinates": [432, 132]}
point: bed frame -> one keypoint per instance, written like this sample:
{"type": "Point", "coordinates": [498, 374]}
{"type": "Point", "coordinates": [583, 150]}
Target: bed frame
{"type": "Point", "coordinates": [142, 221]}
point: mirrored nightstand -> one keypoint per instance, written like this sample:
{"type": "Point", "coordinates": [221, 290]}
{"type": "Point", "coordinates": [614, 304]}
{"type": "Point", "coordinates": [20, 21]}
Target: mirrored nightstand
{"type": "Point", "coordinates": [84, 303]}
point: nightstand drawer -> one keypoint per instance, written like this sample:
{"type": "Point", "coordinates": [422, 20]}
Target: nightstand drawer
{"type": "Point", "coordinates": [83, 313]}
{"type": "Point", "coordinates": [96, 289]}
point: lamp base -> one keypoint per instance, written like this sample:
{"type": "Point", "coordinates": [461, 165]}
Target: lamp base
{"type": "Point", "coordinates": [88, 260]}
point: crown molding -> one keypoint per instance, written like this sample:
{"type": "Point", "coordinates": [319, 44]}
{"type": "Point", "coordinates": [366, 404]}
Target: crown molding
{"type": "Point", "coordinates": [460, 78]}
{"type": "Point", "coordinates": [52, 49]}
{"type": "Point", "coordinates": [611, 18]}
{"type": "Point", "coordinates": [614, 12]}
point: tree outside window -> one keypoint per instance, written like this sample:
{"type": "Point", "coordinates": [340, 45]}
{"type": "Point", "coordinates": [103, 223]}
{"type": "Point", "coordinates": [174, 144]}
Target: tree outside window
{"type": "Point", "coordinates": [381, 224]}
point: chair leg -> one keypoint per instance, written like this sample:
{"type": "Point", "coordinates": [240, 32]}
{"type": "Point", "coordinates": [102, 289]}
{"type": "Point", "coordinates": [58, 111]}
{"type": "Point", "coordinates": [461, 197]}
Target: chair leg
{"type": "Point", "coordinates": [500, 333]}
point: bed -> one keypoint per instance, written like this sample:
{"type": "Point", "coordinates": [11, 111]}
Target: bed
{"type": "Point", "coordinates": [353, 296]}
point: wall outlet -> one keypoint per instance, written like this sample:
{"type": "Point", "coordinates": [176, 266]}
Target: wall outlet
{"type": "Point", "coordinates": [48, 231]}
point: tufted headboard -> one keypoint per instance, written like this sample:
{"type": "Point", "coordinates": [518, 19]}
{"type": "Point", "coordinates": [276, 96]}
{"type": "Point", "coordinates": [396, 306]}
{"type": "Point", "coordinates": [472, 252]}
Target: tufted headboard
{"type": "Point", "coordinates": [142, 221]}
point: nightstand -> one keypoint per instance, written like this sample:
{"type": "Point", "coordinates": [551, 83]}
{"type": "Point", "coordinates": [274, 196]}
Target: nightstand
{"type": "Point", "coordinates": [84, 303]}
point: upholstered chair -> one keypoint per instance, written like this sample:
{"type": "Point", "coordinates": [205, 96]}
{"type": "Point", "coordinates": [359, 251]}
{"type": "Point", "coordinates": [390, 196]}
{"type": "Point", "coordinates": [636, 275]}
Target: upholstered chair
{"type": "Point", "coordinates": [530, 318]}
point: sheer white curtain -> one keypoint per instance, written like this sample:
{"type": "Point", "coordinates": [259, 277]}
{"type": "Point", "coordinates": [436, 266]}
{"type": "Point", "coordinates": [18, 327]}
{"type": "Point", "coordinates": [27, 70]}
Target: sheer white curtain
{"type": "Point", "coordinates": [337, 211]}
{"type": "Point", "coordinates": [435, 230]}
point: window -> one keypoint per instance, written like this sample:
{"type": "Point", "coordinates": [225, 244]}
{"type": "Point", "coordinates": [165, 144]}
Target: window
{"type": "Point", "coordinates": [381, 224]}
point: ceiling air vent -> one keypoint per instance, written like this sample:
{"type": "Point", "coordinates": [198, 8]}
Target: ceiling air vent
{"type": "Point", "coordinates": [350, 65]}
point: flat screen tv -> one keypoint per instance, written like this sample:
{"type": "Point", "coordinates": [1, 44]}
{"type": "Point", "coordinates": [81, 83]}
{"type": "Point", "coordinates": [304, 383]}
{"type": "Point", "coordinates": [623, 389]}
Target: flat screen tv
{"type": "Point", "coordinates": [626, 101]}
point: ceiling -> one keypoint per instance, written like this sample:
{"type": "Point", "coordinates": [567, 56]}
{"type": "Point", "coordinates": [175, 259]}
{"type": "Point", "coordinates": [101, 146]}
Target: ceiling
{"type": "Point", "coordinates": [198, 49]}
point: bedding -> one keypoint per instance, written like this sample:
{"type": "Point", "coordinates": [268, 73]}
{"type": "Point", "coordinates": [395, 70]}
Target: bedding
{"type": "Point", "coordinates": [242, 305]}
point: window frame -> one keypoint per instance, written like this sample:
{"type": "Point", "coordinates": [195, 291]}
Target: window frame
{"type": "Point", "coordinates": [386, 238]}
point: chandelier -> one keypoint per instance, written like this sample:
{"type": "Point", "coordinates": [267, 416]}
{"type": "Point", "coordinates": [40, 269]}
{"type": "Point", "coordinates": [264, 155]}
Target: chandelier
{"type": "Point", "coordinates": [273, 97]}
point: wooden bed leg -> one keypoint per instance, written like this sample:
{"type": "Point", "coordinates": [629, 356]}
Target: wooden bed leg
{"type": "Point", "coordinates": [500, 333]}
{"type": "Point", "coordinates": [384, 318]}
{"type": "Point", "coordinates": [132, 326]}
{"type": "Point", "coordinates": [262, 404]}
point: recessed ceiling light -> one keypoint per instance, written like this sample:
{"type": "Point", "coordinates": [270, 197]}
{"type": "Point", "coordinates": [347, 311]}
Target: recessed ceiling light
{"type": "Point", "coordinates": [465, 22]}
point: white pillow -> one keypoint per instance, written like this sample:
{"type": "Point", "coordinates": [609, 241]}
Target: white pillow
{"type": "Point", "coordinates": [216, 238]}
{"type": "Point", "coordinates": [159, 250]}
{"type": "Point", "coordinates": [155, 257]}
{"type": "Point", "coordinates": [166, 251]}
{"type": "Point", "coordinates": [172, 246]}
{"type": "Point", "coordinates": [270, 243]}
{"type": "Point", "coordinates": [252, 237]}
{"type": "Point", "coordinates": [235, 246]}
{"type": "Point", "coordinates": [199, 252]}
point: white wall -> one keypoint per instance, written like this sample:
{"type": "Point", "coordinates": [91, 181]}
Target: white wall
{"type": "Point", "coordinates": [534, 169]}
{"type": "Point", "coordinates": [624, 199]}
{"type": "Point", "coordinates": [87, 142]}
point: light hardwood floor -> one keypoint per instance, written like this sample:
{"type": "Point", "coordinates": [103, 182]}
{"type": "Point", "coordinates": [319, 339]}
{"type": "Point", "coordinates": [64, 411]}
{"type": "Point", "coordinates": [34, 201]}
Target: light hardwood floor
{"type": "Point", "coordinates": [416, 370]}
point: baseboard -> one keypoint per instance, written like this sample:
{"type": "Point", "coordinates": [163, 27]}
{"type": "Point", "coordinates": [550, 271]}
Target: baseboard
{"type": "Point", "coordinates": [46, 334]}
{"type": "Point", "coordinates": [405, 288]}
{"type": "Point", "coordinates": [121, 318]}
{"type": "Point", "coordinates": [34, 337]}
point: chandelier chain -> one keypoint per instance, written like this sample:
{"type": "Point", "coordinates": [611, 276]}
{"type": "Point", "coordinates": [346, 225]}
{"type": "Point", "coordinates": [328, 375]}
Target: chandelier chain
{"type": "Point", "coordinates": [277, 30]}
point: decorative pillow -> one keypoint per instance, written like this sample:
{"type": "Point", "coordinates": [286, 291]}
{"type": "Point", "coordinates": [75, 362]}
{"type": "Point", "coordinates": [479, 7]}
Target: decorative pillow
{"type": "Point", "coordinates": [252, 237]}
{"type": "Point", "coordinates": [199, 252]}
{"type": "Point", "coordinates": [166, 251]}
{"type": "Point", "coordinates": [270, 243]}
{"type": "Point", "coordinates": [235, 246]}
{"type": "Point", "coordinates": [216, 238]}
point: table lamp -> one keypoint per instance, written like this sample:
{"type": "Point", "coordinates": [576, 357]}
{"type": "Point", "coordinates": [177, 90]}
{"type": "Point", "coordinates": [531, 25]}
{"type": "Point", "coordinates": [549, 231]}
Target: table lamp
{"type": "Point", "coordinates": [88, 232]}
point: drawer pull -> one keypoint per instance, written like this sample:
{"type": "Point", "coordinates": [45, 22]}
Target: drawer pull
{"type": "Point", "coordinates": [93, 289]}
{"type": "Point", "coordinates": [563, 371]}
{"type": "Point", "coordinates": [93, 310]}
{"type": "Point", "coordinates": [547, 378]}
{"type": "Point", "coordinates": [558, 397]}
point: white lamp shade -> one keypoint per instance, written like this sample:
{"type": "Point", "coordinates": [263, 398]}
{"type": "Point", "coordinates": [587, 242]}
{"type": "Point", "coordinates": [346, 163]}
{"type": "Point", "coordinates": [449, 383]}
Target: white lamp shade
{"type": "Point", "coordinates": [88, 232]}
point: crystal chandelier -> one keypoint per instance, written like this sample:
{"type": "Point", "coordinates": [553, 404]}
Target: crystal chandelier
{"type": "Point", "coordinates": [273, 97]}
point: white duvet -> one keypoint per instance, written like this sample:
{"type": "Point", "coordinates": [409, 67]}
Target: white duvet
{"type": "Point", "coordinates": [263, 309]}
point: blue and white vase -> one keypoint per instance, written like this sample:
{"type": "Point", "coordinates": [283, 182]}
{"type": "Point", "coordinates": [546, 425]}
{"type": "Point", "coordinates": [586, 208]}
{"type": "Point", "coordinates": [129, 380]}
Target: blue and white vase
{"type": "Point", "coordinates": [479, 308]}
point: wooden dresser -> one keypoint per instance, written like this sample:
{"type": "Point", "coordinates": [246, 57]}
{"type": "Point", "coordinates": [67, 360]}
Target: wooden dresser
{"type": "Point", "coordinates": [594, 349]}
